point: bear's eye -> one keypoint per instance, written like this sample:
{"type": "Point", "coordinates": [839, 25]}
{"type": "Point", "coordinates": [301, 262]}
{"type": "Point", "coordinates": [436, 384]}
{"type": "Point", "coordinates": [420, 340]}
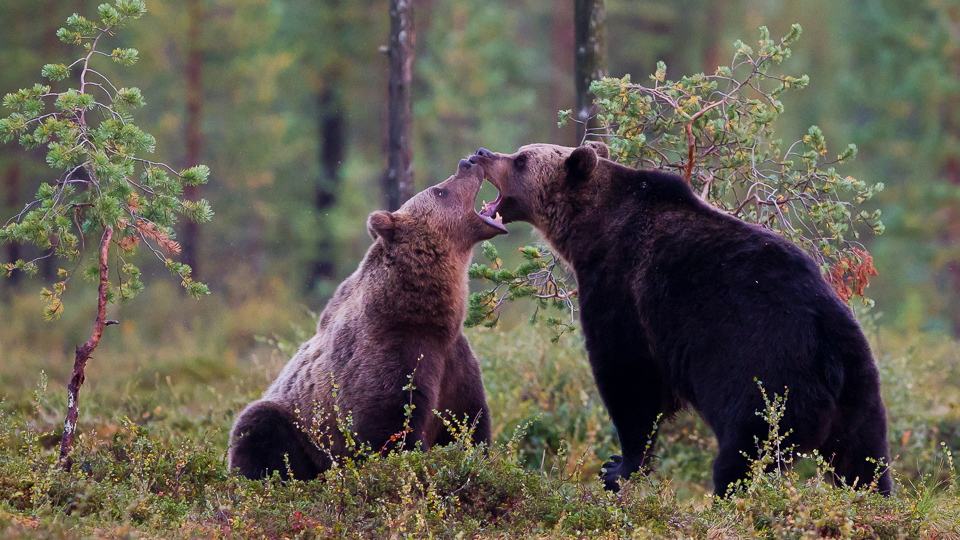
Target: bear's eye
{"type": "Point", "coordinates": [520, 162]}
{"type": "Point", "coordinates": [440, 193]}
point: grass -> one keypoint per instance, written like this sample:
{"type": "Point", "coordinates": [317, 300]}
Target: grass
{"type": "Point", "coordinates": [159, 402]}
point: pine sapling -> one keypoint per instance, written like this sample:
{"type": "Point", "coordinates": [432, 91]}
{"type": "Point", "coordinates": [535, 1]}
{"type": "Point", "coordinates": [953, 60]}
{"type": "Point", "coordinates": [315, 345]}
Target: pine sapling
{"type": "Point", "coordinates": [103, 185]}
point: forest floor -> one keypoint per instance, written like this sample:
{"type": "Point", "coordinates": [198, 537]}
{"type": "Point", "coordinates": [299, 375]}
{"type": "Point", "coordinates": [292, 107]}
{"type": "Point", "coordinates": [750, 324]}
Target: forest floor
{"type": "Point", "coordinates": [158, 404]}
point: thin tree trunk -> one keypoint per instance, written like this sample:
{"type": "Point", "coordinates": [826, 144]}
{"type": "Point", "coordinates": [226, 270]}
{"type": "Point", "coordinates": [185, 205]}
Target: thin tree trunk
{"type": "Point", "coordinates": [331, 132]}
{"type": "Point", "coordinates": [193, 133]}
{"type": "Point", "coordinates": [332, 128]}
{"type": "Point", "coordinates": [11, 188]}
{"type": "Point", "coordinates": [590, 58]}
{"type": "Point", "coordinates": [561, 64]}
{"type": "Point", "coordinates": [951, 173]}
{"type": "Point", "coordinates": [713, 46]}
{"type": "Point", "coordinates": [51, 44]}
{"type": "Point", "coordinates": [51, 47]}
{"type": "Point", "coordinates": [398, 180]}
{"type": "Point", "coordinates": [83, 354]}
{"type": "Point", "coordinates": [950, 234]}
{"type": "Point", "coordinates": [332, 143]}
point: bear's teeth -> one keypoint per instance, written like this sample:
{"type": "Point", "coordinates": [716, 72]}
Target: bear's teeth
{"type": "Point", "coordinates": [484, 207]}
{"type": "Point", "coordinates": [498, 217]}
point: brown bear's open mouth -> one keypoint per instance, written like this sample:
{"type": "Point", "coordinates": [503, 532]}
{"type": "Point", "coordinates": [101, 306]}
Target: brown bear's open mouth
{"type": "Point", "coordinates": [489, 210]}
{"type": "Point", "coordinates": [494, 221]}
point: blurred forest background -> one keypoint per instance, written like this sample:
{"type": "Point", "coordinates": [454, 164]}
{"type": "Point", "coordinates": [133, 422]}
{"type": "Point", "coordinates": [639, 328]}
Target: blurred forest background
{"type": "Point", "coordinates": [286, 102]}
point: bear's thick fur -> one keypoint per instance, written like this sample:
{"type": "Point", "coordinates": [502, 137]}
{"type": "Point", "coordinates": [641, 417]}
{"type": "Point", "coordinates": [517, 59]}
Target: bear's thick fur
{"type": "Point", "coordinates": [682, 304]}
{"type": "Point", "coordinates": [399, 314]}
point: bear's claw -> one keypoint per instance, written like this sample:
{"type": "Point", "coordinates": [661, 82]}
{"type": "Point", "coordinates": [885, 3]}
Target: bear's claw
{"type": "Point", "coordinates": [610, 474]}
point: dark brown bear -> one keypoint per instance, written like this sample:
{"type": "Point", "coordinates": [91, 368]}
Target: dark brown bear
{"type": "Point", "coordinates": [684, 305]}
{"type": "Point", "coordinates": [399, 314]}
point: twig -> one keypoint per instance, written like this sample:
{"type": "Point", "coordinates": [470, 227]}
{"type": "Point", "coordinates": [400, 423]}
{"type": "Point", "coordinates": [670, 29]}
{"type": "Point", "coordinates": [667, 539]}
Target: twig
{"type": "Point", "coordinates": [706, 187]}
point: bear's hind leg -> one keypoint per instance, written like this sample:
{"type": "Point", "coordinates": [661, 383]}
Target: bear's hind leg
{"type": "Point", "coordinates": [855, 452]}
{"type": "Point", "coordinates": [634, 415]}
{"type": "Point", "coordinates": [382, 424]}
{"type": "Point", "coordinates": [737, 447]}
{"type": "Point", "coordinates": [478, 418]}
{"type": "Point", "coordinates": [265, 439]}
{"type": "Point", "coordinates": [463, 396]}
{"type": "Point", "coordinates": [633, 391]}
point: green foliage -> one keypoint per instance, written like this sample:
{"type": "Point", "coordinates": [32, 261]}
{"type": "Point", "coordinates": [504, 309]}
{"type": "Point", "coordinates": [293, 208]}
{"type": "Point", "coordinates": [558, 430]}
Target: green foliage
{"type": "Point", "coordinates": [535, 278]}
{"type": "Point", "coordinates": [718, 131]}
{"type": "Point", "coordinates": [95, 148]}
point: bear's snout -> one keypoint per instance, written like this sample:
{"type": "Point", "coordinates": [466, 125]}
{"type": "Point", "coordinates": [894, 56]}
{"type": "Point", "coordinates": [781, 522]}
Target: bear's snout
{"type": "Point", "coordinates": [465, 164]}
{"type": "Point", "coordinates": [483, 152]}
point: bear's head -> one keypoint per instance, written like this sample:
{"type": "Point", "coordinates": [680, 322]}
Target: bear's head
{"type": "Point", "coordinates": [573, 195]}
{"type": "Point", "coordinates": [530, 179]}
{"type": "Point", "coordinates": [441, 218]}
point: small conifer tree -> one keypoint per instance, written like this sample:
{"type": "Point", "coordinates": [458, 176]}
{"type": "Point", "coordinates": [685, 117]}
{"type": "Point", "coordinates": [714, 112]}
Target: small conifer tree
{"type": "Point", "coordinates": [102, 188]}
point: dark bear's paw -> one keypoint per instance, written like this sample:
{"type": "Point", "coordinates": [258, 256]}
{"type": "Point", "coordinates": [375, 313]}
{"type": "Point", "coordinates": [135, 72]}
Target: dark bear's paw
{"type": "Point", "coordinates": [610, 474]}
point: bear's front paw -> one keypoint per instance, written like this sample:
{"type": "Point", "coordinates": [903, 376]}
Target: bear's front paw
{"type": "Point", "coordinates": [610, 474]}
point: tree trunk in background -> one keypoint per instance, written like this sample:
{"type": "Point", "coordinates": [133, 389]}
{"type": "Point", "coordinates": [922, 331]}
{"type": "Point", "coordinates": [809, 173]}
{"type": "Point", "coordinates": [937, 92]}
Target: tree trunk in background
{"type": "Point", "coordinates": [332, 132]}
{"type": "Point", "coordinates": [561, 66]}
{"type": "Point", "coordinates": [951, 173]}
{"type": "Point", "coordinates": [52, 47]}
{"type": "Point", "coordinates": [398, 180]}
{"type": "Point", "coordinates": [11, 189]}
{"type": "Point", "coordinates": [590, 57]}
{"type": "Point", "coordinates": [193, 134]}
{"type": "Point", "coordinates": [332, 138]}
{"type": "Point", "coordinates": [712, 46]}
{"type": "Point", "coordinates": [951, 235]}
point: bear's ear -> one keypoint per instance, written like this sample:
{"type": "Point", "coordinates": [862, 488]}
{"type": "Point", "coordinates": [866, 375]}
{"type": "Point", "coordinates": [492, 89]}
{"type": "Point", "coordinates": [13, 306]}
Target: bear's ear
{"type": "Point", "coordinates": [382, 224]}
{"type": "Point", "coordinates": [601, 148]}
{"type": "Point", "coordinates": [581, 163]}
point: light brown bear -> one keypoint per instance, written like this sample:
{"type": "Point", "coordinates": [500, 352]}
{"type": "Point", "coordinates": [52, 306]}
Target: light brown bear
{"type": "Point", "coordinates": [682, 304]}
{"type": "Point", "coordinates": [399, 315]}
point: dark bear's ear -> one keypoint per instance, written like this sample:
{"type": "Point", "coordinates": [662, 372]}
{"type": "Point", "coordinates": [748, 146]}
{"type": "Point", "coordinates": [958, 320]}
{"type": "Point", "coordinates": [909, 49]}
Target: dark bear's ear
{"type": "Point", "coordinates": [601, 148]}
{"type": "Point", "coordinates": [382, 224]}
{"type": "Point", "coordinates": [581, 163]}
